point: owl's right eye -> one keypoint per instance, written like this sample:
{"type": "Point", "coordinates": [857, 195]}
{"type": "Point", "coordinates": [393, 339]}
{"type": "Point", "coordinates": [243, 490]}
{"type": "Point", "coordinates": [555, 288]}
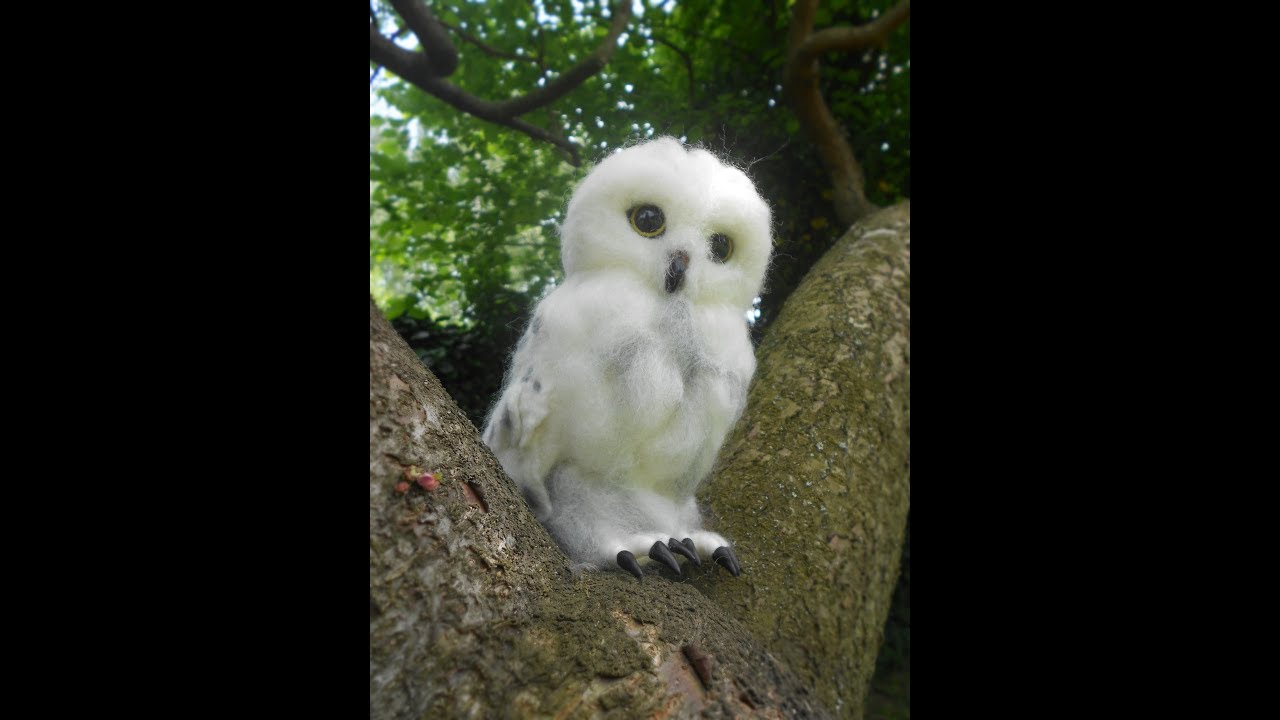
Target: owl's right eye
{"type": "Point", "coordinates": [647, 220]}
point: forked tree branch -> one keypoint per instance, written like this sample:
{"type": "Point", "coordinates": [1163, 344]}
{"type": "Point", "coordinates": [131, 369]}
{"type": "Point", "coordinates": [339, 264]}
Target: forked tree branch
{"type": "Point", "coordinates": [578, 74]}
{"type": "Point", "coordinates": [435, 42]}
{"type": "Point", "coordinates": [427, 70]}
{"type": "Point", "coordinates": [800, 80]}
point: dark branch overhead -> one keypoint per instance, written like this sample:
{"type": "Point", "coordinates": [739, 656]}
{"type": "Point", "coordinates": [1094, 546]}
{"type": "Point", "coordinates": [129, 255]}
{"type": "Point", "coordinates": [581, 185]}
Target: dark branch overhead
{"type": "Point", "coordinates": [439, 58]}
{"type": "Point", "coordinates": [436, 45]}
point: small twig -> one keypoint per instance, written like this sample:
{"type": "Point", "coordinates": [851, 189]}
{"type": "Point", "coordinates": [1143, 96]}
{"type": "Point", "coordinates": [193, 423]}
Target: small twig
{"type": "Point", "coordinates": [486, 49]}
{"type": "Point", "coordinates": [745, 52]}
{"type": "Point", "coordinates": [538, 133]}
{"type": "Point", "coordinates": [688, 63]}
{"type": "Point", "coordinates": [576, 75]}
{"type": "Point", "coordinates": [542, 48]}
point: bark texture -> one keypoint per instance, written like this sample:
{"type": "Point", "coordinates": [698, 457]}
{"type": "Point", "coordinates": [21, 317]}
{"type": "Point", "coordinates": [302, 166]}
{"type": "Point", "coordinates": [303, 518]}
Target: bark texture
{"type": "Point", "coordinates": [813, 484]}
{"type": "Point", "coordinates": [472, 612]}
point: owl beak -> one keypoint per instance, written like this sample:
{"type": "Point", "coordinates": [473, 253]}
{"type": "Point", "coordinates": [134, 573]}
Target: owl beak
{"type": "Point", "coordinates": [677, 263]}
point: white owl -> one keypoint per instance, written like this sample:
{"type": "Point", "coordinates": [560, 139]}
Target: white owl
{"type": "Point", "coordinates": [631, 372]}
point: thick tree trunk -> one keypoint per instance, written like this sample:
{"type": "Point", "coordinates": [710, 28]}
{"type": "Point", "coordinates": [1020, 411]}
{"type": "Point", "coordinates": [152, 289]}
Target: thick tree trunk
{"type": "Point", "coordinates": [473, 613]}
{"type": "Point", "coordinates": [813, 484]}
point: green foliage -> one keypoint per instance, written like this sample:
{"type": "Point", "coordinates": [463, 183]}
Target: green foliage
{"type": "Point", "coordinates": [466, 356]}
{"type": "Point", "coordinates": [463, 213]}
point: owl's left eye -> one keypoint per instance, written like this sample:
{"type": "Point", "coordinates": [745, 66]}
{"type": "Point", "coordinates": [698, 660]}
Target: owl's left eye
{"type": "Point", "coordinates": [647, 220]}
{"type": "Point", "coordinates": [721, 247]}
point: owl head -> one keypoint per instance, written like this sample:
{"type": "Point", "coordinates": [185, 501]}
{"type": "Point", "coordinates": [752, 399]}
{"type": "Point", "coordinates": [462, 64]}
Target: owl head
{"type": "Point", "coordinates": [678, 219]}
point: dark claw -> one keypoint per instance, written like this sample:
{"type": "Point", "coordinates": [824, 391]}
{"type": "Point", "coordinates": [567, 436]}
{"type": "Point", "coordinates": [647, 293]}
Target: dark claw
{"type": "Point", "coordinates": [660, 553]}
{"type": "Point", "coordinates": [724, 556]}
{"type": "Point", "coordinates": [689, 544]}
{"type": "Point", "coordinates": [628, 562]}
{"type": "Point", "coordinates": [679, 548]}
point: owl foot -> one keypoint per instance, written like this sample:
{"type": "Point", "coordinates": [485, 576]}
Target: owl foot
{"type": "Point", "coordinates": [659, 552]}
{"type": "Point", "coordinates": [663, 553]}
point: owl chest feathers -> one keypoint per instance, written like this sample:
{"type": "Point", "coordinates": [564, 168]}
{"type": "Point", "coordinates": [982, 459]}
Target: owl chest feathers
{"type": "Point", "coordinates": [650, 385]}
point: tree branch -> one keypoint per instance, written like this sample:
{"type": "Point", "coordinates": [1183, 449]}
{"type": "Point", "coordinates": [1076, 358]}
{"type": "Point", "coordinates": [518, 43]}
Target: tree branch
{"type": "Point", "coordinates": [848, 39]}
{"type": "Point", "coordinates": [423, 72]}
{"type": "Point", "coordinates": [576, 75]}
{"type": "Point", "coordinates": [435, 42]}
{"type": "Point", "coordinates": [485, 48]}
{"type": "Point", "coordinates": [800, 81]}
{"type": "Point", "coordinates": [538, 133]}
{"type": "Point", "coordinates": [746, 53]}
{"type": "Point", "coordinates": [833, 376]}
{"type": "Point", "coordinates": [414, 68]}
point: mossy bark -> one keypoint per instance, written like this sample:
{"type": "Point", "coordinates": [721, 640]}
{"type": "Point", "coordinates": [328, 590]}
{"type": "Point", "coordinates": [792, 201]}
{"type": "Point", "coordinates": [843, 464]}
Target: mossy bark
{"type": "Point", "coordinates": [813, 484]}
{"type": "Point", "coordinates": [473, 613]}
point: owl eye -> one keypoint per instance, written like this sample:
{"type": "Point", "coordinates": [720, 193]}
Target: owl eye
{"type": "Point", "coordinates": [647, 220]}
{"type": "Point", "coordinates": [721, 247]}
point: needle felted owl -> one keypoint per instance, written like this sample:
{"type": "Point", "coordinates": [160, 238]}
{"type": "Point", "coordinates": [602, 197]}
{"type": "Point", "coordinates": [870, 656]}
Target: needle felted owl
{"type": "Point", "coordinates": [632, 371]}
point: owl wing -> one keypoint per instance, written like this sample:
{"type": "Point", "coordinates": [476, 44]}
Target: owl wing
{"type": "Point", "coordinates": [517, 420]}
{"type": "Point", "coordinates": [517, 416]}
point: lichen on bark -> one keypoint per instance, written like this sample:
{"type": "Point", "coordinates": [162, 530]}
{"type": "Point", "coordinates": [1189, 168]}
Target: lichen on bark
{"type": "Point", "coordinates": [813, 483]}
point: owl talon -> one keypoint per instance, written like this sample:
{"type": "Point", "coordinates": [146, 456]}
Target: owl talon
{"type": "Point", "coordinates": [628, 562]}
{"type": "Point", "coordinates": [685, 549]}
{"type": "Point", "coordinates": [693, 549]}
{"type": "Point", "coordinates": [724, 556]}
{"type": "Point", "coordinates": [660, 553]}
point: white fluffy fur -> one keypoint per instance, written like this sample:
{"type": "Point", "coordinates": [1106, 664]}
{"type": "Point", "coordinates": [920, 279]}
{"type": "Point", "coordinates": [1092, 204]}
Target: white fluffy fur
{"type": "Point", "coordinates": [620, 393]}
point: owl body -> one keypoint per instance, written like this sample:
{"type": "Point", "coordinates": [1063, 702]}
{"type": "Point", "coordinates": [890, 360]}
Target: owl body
{"type": "Point", "coordinates": [633, 370]}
